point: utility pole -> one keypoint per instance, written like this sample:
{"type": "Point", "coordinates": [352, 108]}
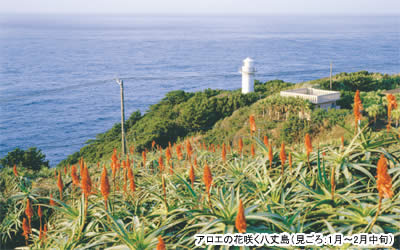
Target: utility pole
{"type": "Point", "coordinates": [121, 85]}
{"type": "Point", "coordinates": [330, 76]}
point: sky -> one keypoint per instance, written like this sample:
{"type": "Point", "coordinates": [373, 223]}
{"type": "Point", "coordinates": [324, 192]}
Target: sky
{"type": "Point", "coordinates": [360, 7]}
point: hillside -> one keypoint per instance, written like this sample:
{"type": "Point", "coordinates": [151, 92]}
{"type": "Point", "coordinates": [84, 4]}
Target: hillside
{"type": "Point", "coordinates": [181, 114]}
{"type": "Point", "coordinates": [202, 180]}
{"type": "Point", "coordinates": [177, 115]}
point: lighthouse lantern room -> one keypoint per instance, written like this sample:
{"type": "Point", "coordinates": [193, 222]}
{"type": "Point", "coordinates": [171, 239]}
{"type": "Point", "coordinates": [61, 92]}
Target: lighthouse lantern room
{"type": "Point", "coordinates": [248, 72]}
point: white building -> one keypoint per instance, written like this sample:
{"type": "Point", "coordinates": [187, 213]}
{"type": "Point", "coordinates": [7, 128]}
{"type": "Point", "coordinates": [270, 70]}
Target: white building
{"type": "Point", "coordinates": [324, 99]}
{"type": "Point", "coordinates": [248, 72]}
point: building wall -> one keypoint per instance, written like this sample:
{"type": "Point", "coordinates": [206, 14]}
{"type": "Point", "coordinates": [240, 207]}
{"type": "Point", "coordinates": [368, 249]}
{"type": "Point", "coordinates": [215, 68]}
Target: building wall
{"type": "Point", "coordinates": [247, 83]}
{"type": "Point", "coordinates": [326, 106]}
{"type": "Point", "coordinates": [315, 96]}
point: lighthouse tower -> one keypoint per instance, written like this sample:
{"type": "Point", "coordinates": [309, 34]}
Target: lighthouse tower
{"type": "Point", "coordinates": [248, 72]}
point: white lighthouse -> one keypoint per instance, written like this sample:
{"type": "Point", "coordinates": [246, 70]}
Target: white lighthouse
{"type": "Point", "coordinates": [248, 72]}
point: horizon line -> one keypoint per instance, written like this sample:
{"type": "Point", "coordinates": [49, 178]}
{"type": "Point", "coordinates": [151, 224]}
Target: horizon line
{"type": "Point", "coordinates": [210, 14]}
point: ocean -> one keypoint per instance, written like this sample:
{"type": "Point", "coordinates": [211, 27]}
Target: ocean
{"type": "Point", "coordinates": [57, 87]}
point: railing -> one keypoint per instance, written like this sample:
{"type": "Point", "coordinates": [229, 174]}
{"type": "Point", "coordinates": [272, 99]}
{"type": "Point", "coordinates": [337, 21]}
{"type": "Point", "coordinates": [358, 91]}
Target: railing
{"type": "Point", "coordinates": [315, 96]}
{"type": "Point", "coordinates": [251, 70]}
{"type": "Point", "coordinates": [311, 98]}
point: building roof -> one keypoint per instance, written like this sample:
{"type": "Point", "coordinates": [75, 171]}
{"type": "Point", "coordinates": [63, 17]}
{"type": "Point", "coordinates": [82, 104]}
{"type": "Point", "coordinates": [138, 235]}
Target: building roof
{"type": "Point", "coordinates": [316, 96]}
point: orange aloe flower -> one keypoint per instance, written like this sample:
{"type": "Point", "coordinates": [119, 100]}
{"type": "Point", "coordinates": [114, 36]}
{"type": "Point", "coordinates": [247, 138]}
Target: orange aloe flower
{"type": "Point", "coordinates": [29, 212]}
{"type": "Point", "coordinates": [125, 179]}
{"type": "Point", "coordinates": [128, 162]}
{"type": "Point", "coordinates": [153, 143]}
{"type": "Point", "coordinates": [60, 185]}
{"type": "Point", "coordinates": [114, 158]}
{"type": "Point", "coordinates": [223, 152]}
{"type": "Point", "coordinates": [252, 122]}
{"type": "Point", "coordinates": [191, 175]}
{"type": "Point", "coordinates": [195, 162]}
{"type": "Point", "coordinates": [240, 145]}
{"type": "Point", "coordinates": [161, 244]}
{"type": "Point", "coordinates": [161, 163]}
{"type": "Point", "coordinates": [308, 144]}
{"type": "Point", "coordinates": [342, 140]}
{"type": "Point", "coordinates": [118, 166]}
{"type": "Point", "coordinates": [144, 158]}
{"type": "Point", "coordinates": [39, 212]}
{"type": "Point", "coordinates": [105, 185]}
{"type": "Point", "coordinates": [40, 233]}
{"type": "Point", "coordinates": [74, 176]}
{"type": "Point", "coordinates": [189, 149]}
{"type": "Point", "coordinates": [130, 173]}
{"type": "Point", "coordinates": [131, 178]}
{"type": "Point", "coordinates": [86, 183]}
{"type": "Point", "coordinates": [357, 107]}
{"type": "Point", "coordinates": [282, 155]}
{"type": "Point", "coordinates": [15, 170]}
{"type": "Point", "coordinates": [253, 150]}
{"type": "Point", "coordinates": [207, 178]}
{"type": "Point", "coordinates": [179, 152]}
{"type": "Point", "coordinates": [52, 202]}
{"type": "Point", "coordinates": [240, 221]}
{"type": "Point", "coordinates": [132, 184]}
{"type": "Point", "coordinates": [168, 155]}
{"type": "Point", "coordinates": [270, 155]}
{"type": "Point", "coordinates": [26, 229]}
{"type": "Point", "coordinates": [266, 140]}
{"type": "Point", "coordinates": [44, 232]}
{"type": "Point", "coordinates": [384, 181]}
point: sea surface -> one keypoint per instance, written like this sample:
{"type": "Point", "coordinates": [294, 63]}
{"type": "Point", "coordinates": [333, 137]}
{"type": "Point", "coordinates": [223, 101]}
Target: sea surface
{"type": "Point", "coordinates": [57, 72]}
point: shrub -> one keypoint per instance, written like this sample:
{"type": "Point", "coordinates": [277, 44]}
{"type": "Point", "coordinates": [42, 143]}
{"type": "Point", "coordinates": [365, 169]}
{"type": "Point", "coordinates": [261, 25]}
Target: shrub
{"type": "Point", "coordinates": [32, 158]}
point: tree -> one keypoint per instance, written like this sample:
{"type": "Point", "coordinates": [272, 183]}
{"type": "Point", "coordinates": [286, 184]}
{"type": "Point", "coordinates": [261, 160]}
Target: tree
{"type": "Point", "coordinates": [32, 158]}
{"type": "Point", "coordinates": [396, 116]}
{"type": "Point", "coordinates": [294, 128]}
{"type": "Point", "coordinates": [373, 111]}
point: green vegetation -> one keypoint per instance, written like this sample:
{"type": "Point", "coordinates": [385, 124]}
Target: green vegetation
{"type": "Point", "coordinates": [180, 114]}
{"type": "Point", "coordinates": [302, 199]}
{"type": "Point", "coordinates": [32, 158]}
{"type": "Point", "coordinates": [282, 119]}
{"type": "Point", "coordinates": [177, 115]}
{"type": "Point", "coordinates": [331, 190]}
{"type": "Point", "coordinates": [348, 83]}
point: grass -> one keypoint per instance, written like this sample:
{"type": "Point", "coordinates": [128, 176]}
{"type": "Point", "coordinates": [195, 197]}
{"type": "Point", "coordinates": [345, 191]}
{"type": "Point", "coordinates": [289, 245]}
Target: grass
{"type": "Point", "coordinates": [300, 200]}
